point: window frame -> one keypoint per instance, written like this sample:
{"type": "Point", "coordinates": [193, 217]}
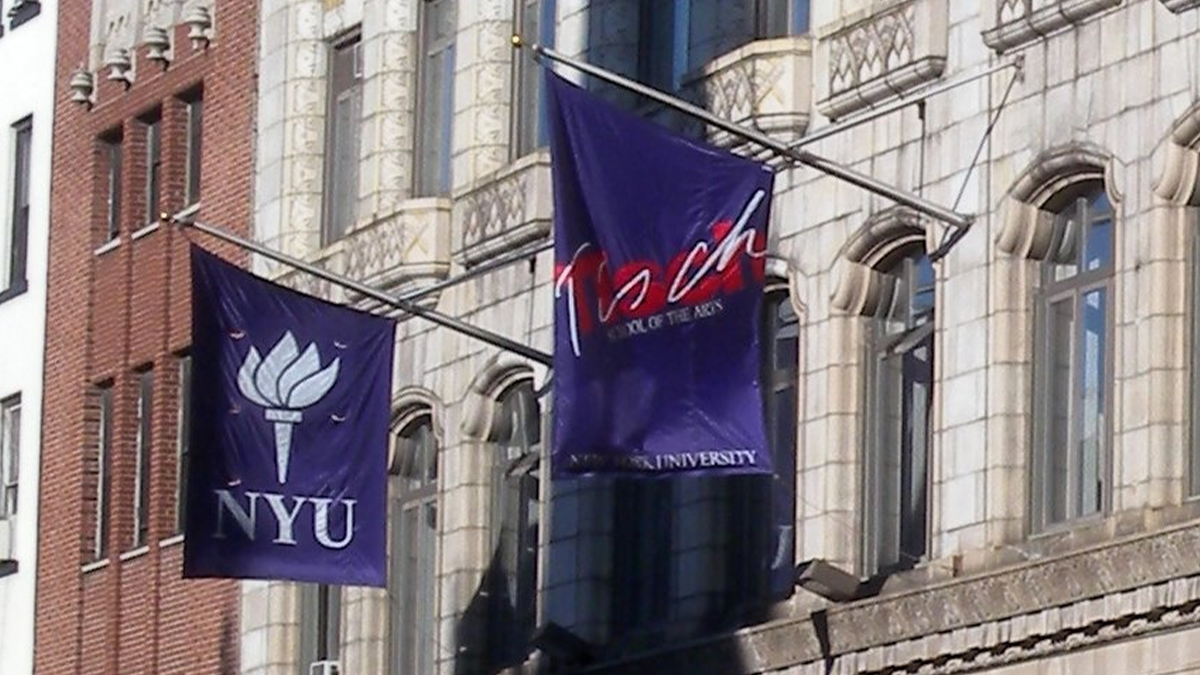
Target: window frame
{"type": "Point", "coordinates": [143, 452]}
{"type": "Point", "coordinates": [183, 441]}
{"type": "Point", "coordinates": [16, 241]}
{"type": "Point", "coordinates": [103, 514]}
{"type": "Point", "coordinates": [886, 410]}
{"type": "Point", "coordinates": [112, 146]}
{"type": "Point", "coordinates": [428, 185]}
{"type": "Point", "coordinates": [320, 631]}
{"type": "Point", "coordinates": [152, 127]}
{"type": "Point", "coordinates": [506, 647]}
{"type": "Point", "coordinates": [10, 455]}
{"type": "Point", "coordinates": [339, 211]}
{"type": "Point", "coordinates": [528, 124]}
{"type": "Point", "coordinates": [796, 14]}
{"type": "Point", "coordinates": [194, 147]}
{"type": "Point", "coordinates": [1050, 292]}
{"type": "Point", "coordinates": [409, 577]}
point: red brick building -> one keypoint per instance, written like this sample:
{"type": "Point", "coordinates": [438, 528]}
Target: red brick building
{"type": "Point", "coordinates": [154, 111]}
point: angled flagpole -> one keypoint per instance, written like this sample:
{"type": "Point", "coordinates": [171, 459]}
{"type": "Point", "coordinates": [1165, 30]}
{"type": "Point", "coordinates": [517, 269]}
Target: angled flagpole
{"type": "Point", "coordinates": [187, 218]}
{"type": "Point", "coordinates": [795, 154]}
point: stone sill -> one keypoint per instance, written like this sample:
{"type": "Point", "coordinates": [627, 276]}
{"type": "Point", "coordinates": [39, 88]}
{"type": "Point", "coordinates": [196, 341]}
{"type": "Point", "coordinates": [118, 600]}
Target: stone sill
{"type": "Point", "coordinates": [1017, 32]}
{"type": "Point", "coordinates": [134, 553]}
{"type": "Point", "coordinates": [764, 84]}
{"type": "Point", "coordinates": [93, 566]}
{"type": "Point", "coordinates": [519, 195]}
{"type": "Point", "coordinates": [107, 246]}
{"type": "Point", "coordinates": [1180, 6]}
{"type": "Point", "coordinates": [1051, 587]}
{"type": "Point", "coordinates": [171, 541]}
{"type": "Point", "coordinates": [893, 83]}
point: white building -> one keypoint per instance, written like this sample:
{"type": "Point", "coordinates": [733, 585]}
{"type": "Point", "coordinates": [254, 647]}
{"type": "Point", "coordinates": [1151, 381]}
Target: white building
{"type": "Point", "coordinates": [1001, 441]}
{"type": "Point", "coordinates": [27, 49]}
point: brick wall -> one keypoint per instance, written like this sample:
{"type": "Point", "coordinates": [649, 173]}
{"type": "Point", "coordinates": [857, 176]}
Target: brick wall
{"type": "Point", "coordinates": [123, 309]}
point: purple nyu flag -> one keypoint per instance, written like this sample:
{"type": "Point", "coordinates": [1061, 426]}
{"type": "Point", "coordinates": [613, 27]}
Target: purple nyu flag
{"type": "Point", "coordinates": [289, 433]}
{"type": "Point", "coordinates": [660, 251]}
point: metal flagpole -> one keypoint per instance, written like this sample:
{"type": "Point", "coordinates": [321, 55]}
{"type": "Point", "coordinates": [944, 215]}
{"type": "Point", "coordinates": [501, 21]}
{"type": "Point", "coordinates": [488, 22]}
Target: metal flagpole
{"type": "Point", "coordinates": [915, 202]}
{"type": "Point", "coordinates": [186, 218]}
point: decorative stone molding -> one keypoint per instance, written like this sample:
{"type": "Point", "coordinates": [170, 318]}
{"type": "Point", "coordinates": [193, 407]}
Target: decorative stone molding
{"type": "Point", "coordinates": [504, 211]}
{"type": "Point", "coordinates": [860, 287]}
{"type": "Point", "coordinates": [1027, 229]}
{"type": "Point", "coordinates": [1179, 6]}
{"type": "Point", "coordinates": [1012, 23]}
{"type": "Point", "coordinates": [409, 404]}
{"type": "Point", "coordinates": [765, 85]}
{"type": "Point", "coordinates": [1180, 180]}
{"type": "Point", "coordinates": [1129, 586]}
{"type": "Point", "coordinates": [479, 407]}
{"type": "Point", "coordinates": [404, 249]}
{"type": "Point", "coordinates": [884, 51]}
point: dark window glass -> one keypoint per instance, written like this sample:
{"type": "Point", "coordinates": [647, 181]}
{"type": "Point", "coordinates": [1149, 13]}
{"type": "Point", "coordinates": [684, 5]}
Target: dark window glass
{"type": "Point", "coordinates": [320, 625]}
{"type": "Point", "coordinates": [663, 42]}
{"type": "Point", "coordinates": [512, 575]}
{"type": "Point", "coordinates": [1073, 362]}
{"type": "Point", "coordinates": [535, 21]}
{"type": "Point", "coordinates": [153, 169]}
{"type": "Point", "coordinates": [141, 488]}
{"type": "Point", "coordinates": [18, 233]}
{"type": "Point", "coordinates": [414, 546]}
{"type": "Point", "coordinates": [900, 396]}
{"type": "Point", "coordinates": [103, 472]}
{"type": "Point", "coordinates": [195, 137]}
{"type": "Point", "coordinates": [779, 18]}
{"type": "Point", "coordinates": [112, 168]}
{"type": "Point", "coordinates": [435, 102]}
{"type": "Point", "coordinates": [183, 441]}
{"type": "Point", "coordinates": [343, 134]}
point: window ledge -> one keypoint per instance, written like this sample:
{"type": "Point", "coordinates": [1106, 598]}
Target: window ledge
{"type": "Point", "coordinates": [15, 290]}
{"type": "Point", "coordinates": [146, 231]}
{"type": "Point", "coordinates": [135, 553]}
{"type": "Point", "coordinates": [171, 541]}
{"type": "Point", "coordinates": [93, 566]}
{"type": "Point", "coordinates": [107, 246]}
{"type": "Point", "coordinates": [24, 12]}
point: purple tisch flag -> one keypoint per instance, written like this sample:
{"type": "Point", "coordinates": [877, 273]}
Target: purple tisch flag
{"type": "Point", "coordinates": [289, 433]}
{"type": "Point", "coordinates": [660, 252]}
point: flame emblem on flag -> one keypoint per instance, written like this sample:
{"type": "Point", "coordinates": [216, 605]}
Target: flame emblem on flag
{"type": "Point", "coordinates": [283, 383]}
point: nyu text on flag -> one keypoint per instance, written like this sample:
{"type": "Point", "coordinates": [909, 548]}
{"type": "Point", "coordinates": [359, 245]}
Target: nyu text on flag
{"type": "Point", "coordinates": [290, 402]}
{"type": "Point", "coordinates": [660, 252]}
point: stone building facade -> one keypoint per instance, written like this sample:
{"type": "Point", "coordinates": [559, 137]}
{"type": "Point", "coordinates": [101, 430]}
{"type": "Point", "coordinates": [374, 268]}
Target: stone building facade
{"type": "Point", "coordinates": [992, 428]}
{"type": "Point", "coordinates": [154, 110]}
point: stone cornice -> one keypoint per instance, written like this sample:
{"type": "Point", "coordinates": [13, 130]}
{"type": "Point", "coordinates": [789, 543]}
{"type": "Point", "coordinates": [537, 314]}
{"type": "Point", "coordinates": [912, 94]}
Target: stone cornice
{"type": "Point", "coordinates": [1142, 583]}
{"type": "Point", "coordinates": [1178, 6]}
{"type": "Point", "coordinates": [1013, 23]}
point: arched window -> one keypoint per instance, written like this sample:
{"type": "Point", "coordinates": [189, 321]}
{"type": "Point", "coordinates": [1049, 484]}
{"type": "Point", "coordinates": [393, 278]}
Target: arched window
{"type": "Point", "coordinates": [512, 575]}
{"type": "Point", "coordinates": [1073, 361]}
{"type": "Point", "coordinates": [899, 398]}
{"type": "Point", "coordinates": [413, 573]}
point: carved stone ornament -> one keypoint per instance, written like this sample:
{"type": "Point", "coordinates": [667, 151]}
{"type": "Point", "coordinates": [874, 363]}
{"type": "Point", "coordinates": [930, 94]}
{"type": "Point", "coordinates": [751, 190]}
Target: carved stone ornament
{"type": "Point", "coordinates": [885, 51]}
{"type": "Point", "coordinates": [1180, 178]}
{"type": "Point", "coordinates": [1179, 6]}
{"type": "Point", "coordinates": [860, 287]}
{"type": "Point", "coordinates": [1127, 587]}
{"type": "Point", "coordinates": [505, 210]}
{"type": "Point", "coordinates": [1027, 230]}
{"type": "Point", "coordinates": [1012, 23]}
{"type": "Point", "coordinates": [764, 84]}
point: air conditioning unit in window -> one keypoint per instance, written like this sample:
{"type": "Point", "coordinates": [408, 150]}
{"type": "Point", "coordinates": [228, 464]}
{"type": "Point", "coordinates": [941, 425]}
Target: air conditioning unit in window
{"type": "Point", "coordinates": [324, 668]}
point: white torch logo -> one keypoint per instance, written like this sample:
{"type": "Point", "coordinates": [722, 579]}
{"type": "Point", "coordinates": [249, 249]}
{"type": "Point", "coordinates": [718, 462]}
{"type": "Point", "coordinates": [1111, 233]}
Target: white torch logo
{"type": "Point", "coordinates": [283, 383]}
